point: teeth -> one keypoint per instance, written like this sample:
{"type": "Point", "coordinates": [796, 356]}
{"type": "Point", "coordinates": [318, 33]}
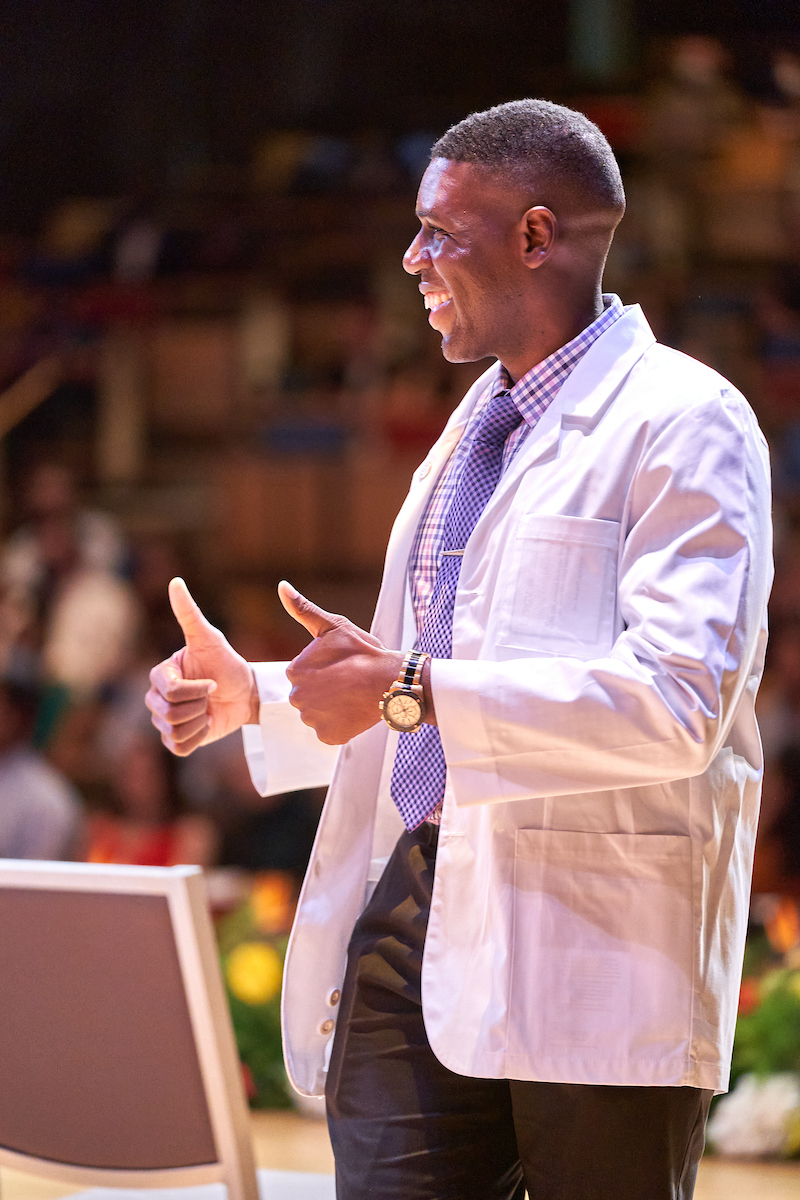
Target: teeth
{"type": "Point", "coordinates": [434, 299]}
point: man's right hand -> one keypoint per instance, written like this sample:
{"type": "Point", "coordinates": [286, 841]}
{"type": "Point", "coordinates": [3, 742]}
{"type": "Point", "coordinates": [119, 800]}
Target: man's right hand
{"type": "Point", "coordinates": [204, 691]}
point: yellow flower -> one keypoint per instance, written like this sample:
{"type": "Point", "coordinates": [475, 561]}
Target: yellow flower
{"type": "Point", "coordinates": [254, 972]}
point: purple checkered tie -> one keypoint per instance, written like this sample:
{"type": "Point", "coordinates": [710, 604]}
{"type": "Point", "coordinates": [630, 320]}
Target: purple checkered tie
{"type": "Point", "coordinates": [419, 772]}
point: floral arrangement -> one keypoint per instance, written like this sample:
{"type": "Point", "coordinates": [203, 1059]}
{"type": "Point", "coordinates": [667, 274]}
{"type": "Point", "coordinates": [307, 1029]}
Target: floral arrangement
{"type": "Point", "coordinates": [760, 1116]}
{"type": "Point", "coordinates": [252, 943]}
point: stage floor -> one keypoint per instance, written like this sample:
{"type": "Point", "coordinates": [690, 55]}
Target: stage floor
{"type": "Point", "coordinates": [288, 1142]}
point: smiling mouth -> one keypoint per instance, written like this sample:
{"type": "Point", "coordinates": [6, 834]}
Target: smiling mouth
{"type": "Point", "coordinates": [436, 300]}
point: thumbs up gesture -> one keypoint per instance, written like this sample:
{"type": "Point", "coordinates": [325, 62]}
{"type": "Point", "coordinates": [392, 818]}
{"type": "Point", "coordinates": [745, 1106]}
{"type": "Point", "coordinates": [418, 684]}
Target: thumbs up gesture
{"type": "Point", "coordinates": [204, 691]}
{"type": "Point", "coordinates": [339, 679]}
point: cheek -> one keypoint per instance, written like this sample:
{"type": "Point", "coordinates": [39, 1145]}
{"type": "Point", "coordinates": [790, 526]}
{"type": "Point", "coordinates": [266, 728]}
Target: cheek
{"type": "Point", "coordinates": [475, 281]}
{"type": "Point", "coordinates": [477, 304]}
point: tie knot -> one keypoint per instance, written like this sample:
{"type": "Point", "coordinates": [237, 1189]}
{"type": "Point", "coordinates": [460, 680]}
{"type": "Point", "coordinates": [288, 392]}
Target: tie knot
{"type": "Point", "coordinates": [500, 417]}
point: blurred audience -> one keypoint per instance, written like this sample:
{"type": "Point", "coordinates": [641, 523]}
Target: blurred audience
{"type": "Point", "coordinates": [318, 358]}
{"type": "Point", "coordinates": [40, 811]}
{"type": "Point", "coordinates": [779, 722]}
{"type": "Point", "coordinates": [257, 833]}
{"type": "Point", "coordinates": [688, 112]}
{"type": "Point", "coordinates": [690, 109]}
{"type": "Point", "coordinates": [63, 595]}
{"type": "Point", "coordinates": [145, 820]}
{"type": "Point", "coordinates": [155, 560]}
{"type": "Point", "coordinates": [784, 830]}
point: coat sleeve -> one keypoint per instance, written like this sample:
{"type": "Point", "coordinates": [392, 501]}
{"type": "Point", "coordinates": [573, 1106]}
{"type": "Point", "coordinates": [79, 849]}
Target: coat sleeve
{"type": "Point", "coordinates": [693, 580]}
{"type": "Point", "coordinates": [282, 753]}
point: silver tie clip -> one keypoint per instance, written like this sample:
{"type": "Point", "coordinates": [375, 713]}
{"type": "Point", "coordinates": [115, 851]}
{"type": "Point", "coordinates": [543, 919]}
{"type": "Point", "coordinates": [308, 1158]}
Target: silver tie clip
{"type": "Point", "coordinates": [453, 553]}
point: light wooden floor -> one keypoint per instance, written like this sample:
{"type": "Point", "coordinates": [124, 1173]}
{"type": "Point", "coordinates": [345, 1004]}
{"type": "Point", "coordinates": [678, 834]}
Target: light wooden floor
{"type": "Point", "coordinates": [287, 1142]}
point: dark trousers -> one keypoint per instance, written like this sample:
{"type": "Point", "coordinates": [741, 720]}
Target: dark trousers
{"type": "Point", "coordinates": [403, 1127]}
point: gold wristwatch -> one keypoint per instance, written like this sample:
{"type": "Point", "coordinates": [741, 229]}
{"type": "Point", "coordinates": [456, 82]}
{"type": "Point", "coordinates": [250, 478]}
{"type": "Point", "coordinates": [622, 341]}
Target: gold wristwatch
{"type": "Point", "coordinates": [403, 706]}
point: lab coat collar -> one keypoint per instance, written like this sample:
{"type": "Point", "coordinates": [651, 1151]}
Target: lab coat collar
{"type": "Point", "coordinates": [595, 381]}
{"type": "Point", "coordinates": [586, 393]}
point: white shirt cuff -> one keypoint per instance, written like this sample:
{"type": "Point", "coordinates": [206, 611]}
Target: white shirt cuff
{"type": "Point", "coordinates": [282, 753]}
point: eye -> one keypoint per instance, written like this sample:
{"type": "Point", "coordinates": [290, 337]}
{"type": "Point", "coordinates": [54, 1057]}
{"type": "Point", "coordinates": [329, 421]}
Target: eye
{"type": "Point", "coordinates": [439, 234]}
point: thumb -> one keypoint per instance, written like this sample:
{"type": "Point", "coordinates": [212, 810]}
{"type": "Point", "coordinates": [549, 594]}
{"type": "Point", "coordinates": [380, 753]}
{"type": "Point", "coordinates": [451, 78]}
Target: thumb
{"type": "Point", "coordinates": [191, 620]}
{"type": "Point", "coordinates": [316, 620]}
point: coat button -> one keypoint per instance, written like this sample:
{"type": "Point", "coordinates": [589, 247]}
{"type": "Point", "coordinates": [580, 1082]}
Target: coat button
{"type": "Point", "coordinates": [334, 997]}
{"type": "Point", "coordinates": [327, 1026]}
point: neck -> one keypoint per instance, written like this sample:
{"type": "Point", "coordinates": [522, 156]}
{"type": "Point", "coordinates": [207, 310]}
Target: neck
{"type": "Point", "coordinates": [550, 328]}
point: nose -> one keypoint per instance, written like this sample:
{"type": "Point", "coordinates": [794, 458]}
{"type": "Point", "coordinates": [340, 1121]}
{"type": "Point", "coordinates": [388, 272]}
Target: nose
{"type": "Point", "coordinates": [414, 255]}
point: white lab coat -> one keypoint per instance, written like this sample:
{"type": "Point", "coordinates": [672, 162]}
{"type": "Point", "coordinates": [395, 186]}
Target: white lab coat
{"type": "Point", "coordinates": [604, 765]}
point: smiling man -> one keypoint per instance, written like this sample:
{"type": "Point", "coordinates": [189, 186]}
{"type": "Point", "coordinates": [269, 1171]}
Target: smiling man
{"type": "Point", "coordinates": [524, 916]}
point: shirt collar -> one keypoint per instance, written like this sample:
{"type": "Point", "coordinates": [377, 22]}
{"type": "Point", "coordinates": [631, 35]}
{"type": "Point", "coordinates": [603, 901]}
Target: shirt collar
{"type": "Point", "coordinates": [534, 391]}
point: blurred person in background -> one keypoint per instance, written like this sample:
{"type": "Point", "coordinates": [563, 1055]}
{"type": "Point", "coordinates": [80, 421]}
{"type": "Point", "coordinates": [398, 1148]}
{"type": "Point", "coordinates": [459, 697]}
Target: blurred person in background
{"type": "Point", "coordinates": [257, 833]}
{"type": "Point", "coordinates": [777, 860]}
{"type": "Point", "coordinates": [146, 820]}
{"type": "Point", "coordinates": [691, 108]}
{"type": "Point", "coordinates": [785, 829]}
{"type": "Point", "coordinates": [776, 871]}
{"type": "Point", "coordinates": [779, 703]}
{"type": "Point", "coordinates": [40, 811]}
{"type": "Point", "coordinates": [688, 112]}
{"type": "Point", "coordinates": [60, 575]}
{"type": "Point", "coordinates": [155, 559]}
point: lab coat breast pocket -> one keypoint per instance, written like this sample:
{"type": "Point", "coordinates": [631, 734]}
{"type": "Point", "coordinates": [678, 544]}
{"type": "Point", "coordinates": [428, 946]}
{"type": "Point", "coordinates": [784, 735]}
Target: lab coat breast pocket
{"type": "Point", "coordinates": [560, 592]}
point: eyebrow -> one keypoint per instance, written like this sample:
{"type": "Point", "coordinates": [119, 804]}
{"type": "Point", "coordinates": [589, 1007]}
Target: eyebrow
{"type": "Point", "coordinates": [430, 214]}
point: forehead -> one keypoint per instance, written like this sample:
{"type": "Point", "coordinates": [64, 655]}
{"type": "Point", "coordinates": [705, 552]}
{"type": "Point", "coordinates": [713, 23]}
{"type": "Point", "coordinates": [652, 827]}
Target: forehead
{"type": "Point", "coordinates": [459, 190]}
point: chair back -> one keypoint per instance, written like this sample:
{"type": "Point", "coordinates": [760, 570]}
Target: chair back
{"type": "Point", "coordinates": [117, 1057]}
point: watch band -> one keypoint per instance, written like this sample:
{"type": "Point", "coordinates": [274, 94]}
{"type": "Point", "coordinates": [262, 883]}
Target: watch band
{"type": "Point", "coordinates": [411, 670]}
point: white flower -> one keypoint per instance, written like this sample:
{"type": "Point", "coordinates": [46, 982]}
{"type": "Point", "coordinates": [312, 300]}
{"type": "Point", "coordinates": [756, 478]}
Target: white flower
{"type": "Point", "coordinates": [752, 1120]}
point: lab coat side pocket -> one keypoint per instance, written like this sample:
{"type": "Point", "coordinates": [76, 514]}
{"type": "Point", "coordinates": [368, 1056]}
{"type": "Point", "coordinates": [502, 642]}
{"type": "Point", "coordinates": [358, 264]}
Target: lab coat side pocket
{"type": "Point", "coordinates": [602, 958]}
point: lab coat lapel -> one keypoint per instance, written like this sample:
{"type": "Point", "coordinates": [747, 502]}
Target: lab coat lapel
{"type": "Point", "coordinates": [388, 621]}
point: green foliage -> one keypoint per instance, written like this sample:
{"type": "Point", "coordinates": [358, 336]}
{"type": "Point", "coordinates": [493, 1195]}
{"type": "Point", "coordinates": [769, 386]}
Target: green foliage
{"type": "Point", "coordinates": [258, 1038]}
{"type": "Point", "coordinates": [257, 1027]}
{"type": "Point", "coordinates": [238, 926]}
{"type": "Point", "coordinates": [759, 957]}
{"type": "Point", "coordinates": [768, 1038]}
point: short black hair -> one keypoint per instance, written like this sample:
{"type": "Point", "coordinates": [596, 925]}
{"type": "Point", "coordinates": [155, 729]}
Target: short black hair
{"type": "Point", "coordinates": [539, 142]}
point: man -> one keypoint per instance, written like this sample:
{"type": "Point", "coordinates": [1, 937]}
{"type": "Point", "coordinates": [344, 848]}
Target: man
{"type": "Point", "coordinates": [582, 566]}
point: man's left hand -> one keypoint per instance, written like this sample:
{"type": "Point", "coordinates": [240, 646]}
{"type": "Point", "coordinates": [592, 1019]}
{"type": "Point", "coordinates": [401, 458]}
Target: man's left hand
{"type": "Point", "coordinates": [338, 681]}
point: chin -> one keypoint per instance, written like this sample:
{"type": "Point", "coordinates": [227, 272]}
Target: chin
{"type": "Point", "coordinates": [460, 354]}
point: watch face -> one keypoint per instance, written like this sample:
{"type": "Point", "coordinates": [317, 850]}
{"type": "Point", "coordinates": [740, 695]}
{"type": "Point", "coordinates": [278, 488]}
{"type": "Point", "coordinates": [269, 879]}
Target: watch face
{"type": "Point", "coordinates": [403, 710]}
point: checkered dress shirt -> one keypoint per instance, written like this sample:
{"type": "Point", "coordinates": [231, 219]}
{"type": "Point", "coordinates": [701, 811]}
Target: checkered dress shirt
{"type": "Point", "coordinates": [532, 394]}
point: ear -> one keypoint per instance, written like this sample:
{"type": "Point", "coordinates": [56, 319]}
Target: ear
{"type": "Point", "coordinates": [539, 230]}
